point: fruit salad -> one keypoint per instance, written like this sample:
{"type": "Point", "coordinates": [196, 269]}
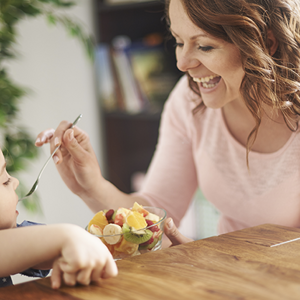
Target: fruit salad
{"type": "Point", "coordinates": [129, 232]}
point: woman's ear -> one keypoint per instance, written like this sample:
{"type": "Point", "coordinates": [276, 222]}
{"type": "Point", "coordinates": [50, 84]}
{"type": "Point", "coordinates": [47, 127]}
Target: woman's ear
{"type": "Point", "coordinates": [272, 42]}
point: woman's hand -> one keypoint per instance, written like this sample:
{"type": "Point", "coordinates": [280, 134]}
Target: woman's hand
{"type": "Point", "coordinates": [174, 235]}
{"type": "Point", "coordinates": [83, 258]}
{"type": "Point", "coordinates": [75, 159]}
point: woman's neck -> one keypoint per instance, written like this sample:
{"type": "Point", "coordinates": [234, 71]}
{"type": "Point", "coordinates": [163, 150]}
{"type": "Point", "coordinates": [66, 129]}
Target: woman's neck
{"type": "Point", "coordinates": [273, 132]}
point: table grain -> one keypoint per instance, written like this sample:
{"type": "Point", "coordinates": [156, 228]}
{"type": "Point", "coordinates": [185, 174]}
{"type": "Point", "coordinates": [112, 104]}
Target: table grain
{"type": "Point", "coordinates": [237, 265]}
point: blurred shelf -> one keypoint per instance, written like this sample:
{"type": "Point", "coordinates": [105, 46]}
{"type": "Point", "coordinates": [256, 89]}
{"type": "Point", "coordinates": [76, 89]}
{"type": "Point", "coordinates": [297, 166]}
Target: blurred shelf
{"type": "Point", "coordinates": [130, 139]}
{"type": "Point", "coordinates": [107, 7]}
{"type": "Point", "coordinates": [134, 20]}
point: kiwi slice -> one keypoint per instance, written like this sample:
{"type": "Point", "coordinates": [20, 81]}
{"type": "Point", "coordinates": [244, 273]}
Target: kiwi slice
{"type": "Point", "coordinates": [150, 246]}
{"type": "Point", "coordinates": [136, 236]}
{"type": "Point", "coordinates": [153, 243]}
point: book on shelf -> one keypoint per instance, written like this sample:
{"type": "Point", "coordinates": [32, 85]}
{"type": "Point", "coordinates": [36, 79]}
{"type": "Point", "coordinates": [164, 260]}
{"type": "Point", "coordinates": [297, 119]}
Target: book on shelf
{"type": "Point", "coordinates": [140, 76]}
{"type": "Point", "coordinates": [125, 78]}
{"type": "Point", "coordinates": [105, 78]}
{"type": "Point", "coordinates": [153, 71]}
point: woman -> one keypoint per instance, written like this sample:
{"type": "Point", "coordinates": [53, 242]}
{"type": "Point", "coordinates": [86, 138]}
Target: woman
{"type": "Point", "coordinates": [230, 126]}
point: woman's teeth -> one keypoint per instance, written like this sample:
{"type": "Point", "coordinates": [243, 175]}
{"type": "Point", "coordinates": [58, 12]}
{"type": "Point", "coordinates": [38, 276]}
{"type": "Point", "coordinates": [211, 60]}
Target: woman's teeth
{"type": "Point", "coordinates": [206, 85]}
{"type": "Point", "coordinates": [205, 81]}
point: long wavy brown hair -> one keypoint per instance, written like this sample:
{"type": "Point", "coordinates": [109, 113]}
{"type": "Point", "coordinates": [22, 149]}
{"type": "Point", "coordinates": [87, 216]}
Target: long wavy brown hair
{"type": "Point", "coordinates": [273, 80]}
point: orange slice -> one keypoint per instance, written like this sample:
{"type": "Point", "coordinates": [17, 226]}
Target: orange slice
{"type": "Point", "coordinates": [140, 209]}
{"type": "Point", "coordinates": [136, 220]}
{"type": "Point", "coordinates": [126, 247]}
{"type": "Point", "coordinates": [99, 219]}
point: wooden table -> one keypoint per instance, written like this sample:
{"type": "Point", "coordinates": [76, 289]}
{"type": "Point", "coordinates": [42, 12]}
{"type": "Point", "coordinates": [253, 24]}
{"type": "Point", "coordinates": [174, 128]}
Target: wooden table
{"type": "Point", "coordinates": [237, 265]}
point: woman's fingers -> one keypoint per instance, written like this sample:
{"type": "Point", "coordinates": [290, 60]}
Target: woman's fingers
{"type": "Point", "coordinates": [58, 134]}
{"type": "Point", "coordinates": [73, 146]}
{"type": "Point", "coordinates": [174, 235]}
{"type": "Point", "coordinates": [53, 136]}
{"type": "Point", "coordinates": [44, 137]}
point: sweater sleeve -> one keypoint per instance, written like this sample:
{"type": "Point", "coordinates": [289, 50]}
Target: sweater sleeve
{"type": "Point", "coordinates": [171, 179]}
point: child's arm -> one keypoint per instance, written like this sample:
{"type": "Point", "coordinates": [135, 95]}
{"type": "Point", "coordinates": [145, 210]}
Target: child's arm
{"type": "Point", "coordinates": [77, 255]}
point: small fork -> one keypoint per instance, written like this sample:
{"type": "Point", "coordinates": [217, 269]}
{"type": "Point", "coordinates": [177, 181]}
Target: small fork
{"type": "Point", "coordinates": [35, 185]}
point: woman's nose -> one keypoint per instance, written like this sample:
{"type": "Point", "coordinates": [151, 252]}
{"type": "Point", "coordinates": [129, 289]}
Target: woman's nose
{"type": "Point", "coordinates": [186, 61]}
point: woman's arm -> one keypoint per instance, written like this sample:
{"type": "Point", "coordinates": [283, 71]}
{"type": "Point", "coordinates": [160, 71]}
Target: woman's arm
{"type": "Point", "coordinates": [172, 171]}
{"type": "Point", "coordinates": [171, 180]}
{"type": "Point", "coordinates": [77, 255]}
{"type": "Point", "coordinates": [79, 168]}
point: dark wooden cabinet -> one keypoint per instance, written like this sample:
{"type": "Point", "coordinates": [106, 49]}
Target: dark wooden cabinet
{"type": "Point", "coordinates": [130, 144]}
{"type": "Point", "coordinates": [130, 139]}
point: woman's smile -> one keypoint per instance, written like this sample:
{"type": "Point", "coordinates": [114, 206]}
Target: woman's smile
{"type": "Point", "coordinates": [207, 83]}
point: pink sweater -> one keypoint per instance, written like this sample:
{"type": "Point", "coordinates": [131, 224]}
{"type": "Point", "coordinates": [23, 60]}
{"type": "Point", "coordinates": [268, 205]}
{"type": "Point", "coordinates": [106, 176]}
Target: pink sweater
{"type": "Point", "coordinates": [197, 150]}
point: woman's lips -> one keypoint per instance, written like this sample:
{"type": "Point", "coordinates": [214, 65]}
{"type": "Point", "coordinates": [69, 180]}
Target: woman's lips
{"type": "Point", "coordinates": [208, 82]}
{"type": "Point", "coordinates": [212, 85]}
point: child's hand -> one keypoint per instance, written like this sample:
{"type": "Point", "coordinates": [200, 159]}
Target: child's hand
{"type": "Point", "coordinates": [84, 258]}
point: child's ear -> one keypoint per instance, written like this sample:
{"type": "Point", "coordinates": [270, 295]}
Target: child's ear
{"type": "Point", "coordinates": [272, 42]}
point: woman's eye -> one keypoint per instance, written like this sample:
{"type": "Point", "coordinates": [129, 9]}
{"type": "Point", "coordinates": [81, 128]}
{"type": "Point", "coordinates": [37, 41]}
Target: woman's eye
{"type": "Point", "coordinates": [7, 182]}
{"type": "Point", "coordinates": [205, 49]}
{"type": "Point", "coordinates": [178, 45]}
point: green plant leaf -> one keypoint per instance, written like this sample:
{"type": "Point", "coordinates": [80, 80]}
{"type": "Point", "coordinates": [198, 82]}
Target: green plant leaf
{"type": "Point", "coordinates": [51, 19]}
{"type": "Point", "coordinates": [18, 146]}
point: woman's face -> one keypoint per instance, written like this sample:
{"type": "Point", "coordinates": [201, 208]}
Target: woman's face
{"type": "Point", "coordinates": [8, 197]}
{"type": "Point", "coordinates": [213, 63]}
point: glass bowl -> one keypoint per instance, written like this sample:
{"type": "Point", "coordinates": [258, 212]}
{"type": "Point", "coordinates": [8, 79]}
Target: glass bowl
{"type": "Point", "coordinates": [131, 242]}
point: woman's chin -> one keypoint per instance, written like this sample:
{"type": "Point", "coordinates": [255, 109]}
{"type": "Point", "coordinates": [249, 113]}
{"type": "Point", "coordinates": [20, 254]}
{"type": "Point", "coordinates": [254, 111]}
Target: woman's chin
{"type": "Point", "coordinates": [212, 103]}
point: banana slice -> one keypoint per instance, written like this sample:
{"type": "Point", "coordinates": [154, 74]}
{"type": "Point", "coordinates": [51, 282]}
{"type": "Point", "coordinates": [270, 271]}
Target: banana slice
{"type": "Point", "coordinates": [112, 233]}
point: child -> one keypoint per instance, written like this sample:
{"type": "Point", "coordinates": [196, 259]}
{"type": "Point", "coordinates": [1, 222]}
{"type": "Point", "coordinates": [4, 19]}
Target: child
{"type": "Point", "coordinates": [75, 255]}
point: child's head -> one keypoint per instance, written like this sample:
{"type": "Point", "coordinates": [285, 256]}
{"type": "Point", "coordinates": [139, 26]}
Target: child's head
{"type": "Point", "coordinates": [8, 197]}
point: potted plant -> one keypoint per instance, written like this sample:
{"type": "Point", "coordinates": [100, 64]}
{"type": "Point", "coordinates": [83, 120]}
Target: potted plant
{"type": "Point", "coordinates": [17, 144]}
